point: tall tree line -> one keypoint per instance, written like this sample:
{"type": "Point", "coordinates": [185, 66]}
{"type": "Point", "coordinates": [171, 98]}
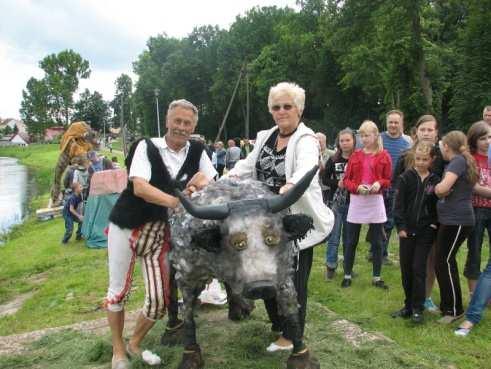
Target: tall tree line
{"type": "Point", "coordinates": [356, 59]}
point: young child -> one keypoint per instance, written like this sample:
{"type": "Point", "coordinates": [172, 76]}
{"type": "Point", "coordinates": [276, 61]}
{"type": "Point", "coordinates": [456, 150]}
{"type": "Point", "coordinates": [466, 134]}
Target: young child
{"type": "Point", "coordinates": [71, 215]}
{"type": "Point", "coordinates": [427, 128]}
{"type": "Point", "coordinates": [478, 138]}
{"type": "Point", "coordinates": [339, 196]}
{"type": "Point", "coordinates": [369, 171]}
{"type": "Point", "coordinates": [416, 221]}
{"type": "Point", "coordinates": [456, 218]}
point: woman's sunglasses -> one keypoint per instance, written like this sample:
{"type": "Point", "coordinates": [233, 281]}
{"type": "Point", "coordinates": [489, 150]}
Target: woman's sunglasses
{"type": "Point", "coordinates": [284, 106]}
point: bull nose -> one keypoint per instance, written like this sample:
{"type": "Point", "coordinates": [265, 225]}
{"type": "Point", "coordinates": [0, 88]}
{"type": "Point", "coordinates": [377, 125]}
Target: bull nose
{"type": "Point", "coordinates": [259, 290]}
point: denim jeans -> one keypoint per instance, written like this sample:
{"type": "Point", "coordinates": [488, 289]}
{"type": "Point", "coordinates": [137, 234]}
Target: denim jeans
{"type": "Point", "coordinates": [474, 243]}
{"type": "Point", "coordinates": [338, 231]}
{"type": "Point", "coordinates": [389, 202]}
{"type": "Point", "coordinates": [481, 296]}
{"type": "Point", "coordinates": [69, 228]}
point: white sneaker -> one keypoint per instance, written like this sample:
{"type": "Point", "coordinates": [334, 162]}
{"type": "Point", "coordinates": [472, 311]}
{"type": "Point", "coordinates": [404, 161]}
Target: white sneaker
{"type": "Point", "coordinates": [462, 332]}
{"type": "Point", "coordinates": [273, 347]}
{"type": "Point", "coordinates": [213, 294]}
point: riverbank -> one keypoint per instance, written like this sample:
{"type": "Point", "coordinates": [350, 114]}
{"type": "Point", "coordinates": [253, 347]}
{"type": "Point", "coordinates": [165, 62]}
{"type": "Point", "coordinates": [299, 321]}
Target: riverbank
{"type": "Point", "coordinates": [74, 281]}
{"type": "Point", "coordinates": [39, 159]}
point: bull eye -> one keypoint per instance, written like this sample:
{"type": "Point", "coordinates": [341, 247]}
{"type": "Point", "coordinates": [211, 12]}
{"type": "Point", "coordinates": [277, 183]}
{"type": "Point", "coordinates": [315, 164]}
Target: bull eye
{"type": "Point", "coordinates": [239, 241]}
{"type": "Point", "coordinates": [241, 245]}
{"type": "Point", "coordinates": [271, 240]}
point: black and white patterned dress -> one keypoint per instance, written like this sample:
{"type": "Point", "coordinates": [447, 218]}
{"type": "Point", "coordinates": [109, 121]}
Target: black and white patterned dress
{"type": "Point", "coordinates": [270, 165]}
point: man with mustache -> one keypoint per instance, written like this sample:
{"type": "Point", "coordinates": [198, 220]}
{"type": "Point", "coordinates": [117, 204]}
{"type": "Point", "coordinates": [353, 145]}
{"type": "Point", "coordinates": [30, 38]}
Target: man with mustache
{"type": "Point", "coordinates": [138, 225]}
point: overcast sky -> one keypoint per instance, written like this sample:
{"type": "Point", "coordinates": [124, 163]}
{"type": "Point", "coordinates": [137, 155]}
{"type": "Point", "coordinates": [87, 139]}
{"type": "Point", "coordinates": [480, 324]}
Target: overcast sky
{"type": "Point", "coordinates": [110, 34]}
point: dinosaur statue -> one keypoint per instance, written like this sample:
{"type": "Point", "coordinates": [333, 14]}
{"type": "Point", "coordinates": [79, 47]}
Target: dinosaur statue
{"type": "Point", "coordinates": [76, 142]}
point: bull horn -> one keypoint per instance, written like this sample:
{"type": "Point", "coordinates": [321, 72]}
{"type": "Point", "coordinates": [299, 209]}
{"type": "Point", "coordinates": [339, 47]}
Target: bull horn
{"type": "Point", "coordinates": [280, 202]}
{"type": "Point", "coordinates": [211, 212]}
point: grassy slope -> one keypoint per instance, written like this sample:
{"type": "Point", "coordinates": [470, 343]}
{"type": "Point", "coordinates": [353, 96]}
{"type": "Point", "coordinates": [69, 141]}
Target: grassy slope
{"type": "Point", "coordinates": [77, 277]}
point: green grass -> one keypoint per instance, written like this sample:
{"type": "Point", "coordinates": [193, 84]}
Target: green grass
{"type": "Point", "coordinates": [226, 345]}
{"type": "Point", "coordinates": [76, 281]}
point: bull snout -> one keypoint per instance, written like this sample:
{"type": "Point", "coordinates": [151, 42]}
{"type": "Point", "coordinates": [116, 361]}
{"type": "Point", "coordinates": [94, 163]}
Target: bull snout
{"type": "Point", "coordinates": [259, 290]}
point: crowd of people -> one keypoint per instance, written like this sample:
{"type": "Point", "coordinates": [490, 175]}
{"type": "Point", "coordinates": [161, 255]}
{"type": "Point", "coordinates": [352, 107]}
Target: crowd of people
{"type": "Point", "coordinates": [434, 191]}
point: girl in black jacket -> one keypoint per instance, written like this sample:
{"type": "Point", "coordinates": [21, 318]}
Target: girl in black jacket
{"type": "Point", "coordinates": [416, 221]}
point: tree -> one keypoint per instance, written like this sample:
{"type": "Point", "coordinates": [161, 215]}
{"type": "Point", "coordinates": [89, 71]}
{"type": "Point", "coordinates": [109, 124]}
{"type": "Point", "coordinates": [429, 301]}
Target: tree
{"type": "Point", "coordinates": [62, 74]}
{"type": "Point", "coordinates": [472, 81]}
{"type": "Point", "coordinates": [148, 67]}
{"type": "Point", "coordinates": [35, 107]}
{"type": "Point", "coordinates": [49, 101]}
{"type": "Point", "coordinates": [93, 109]}
{"type": "Point", "coordinates": [123, 98]}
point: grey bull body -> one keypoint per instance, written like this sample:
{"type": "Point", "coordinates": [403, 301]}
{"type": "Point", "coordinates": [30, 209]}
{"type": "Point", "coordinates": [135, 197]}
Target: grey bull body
{"type": "Point", "coordinates": [242, 234]}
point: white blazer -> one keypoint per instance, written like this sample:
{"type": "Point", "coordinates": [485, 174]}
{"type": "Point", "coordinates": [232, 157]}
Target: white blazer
{"type": "Point", "coordinates": [302, 153]}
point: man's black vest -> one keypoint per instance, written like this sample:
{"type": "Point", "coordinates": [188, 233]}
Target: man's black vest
{"type": "Point", "coordinates": [131, 211]}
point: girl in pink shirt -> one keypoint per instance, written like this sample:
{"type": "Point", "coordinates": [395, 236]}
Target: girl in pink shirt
{"type": "Point", "coordinates": [369, 171]}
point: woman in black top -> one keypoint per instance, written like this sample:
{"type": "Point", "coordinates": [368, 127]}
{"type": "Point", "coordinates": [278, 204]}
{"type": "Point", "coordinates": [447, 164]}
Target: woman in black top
{"type": "Point", "coordinates": [338, 196]}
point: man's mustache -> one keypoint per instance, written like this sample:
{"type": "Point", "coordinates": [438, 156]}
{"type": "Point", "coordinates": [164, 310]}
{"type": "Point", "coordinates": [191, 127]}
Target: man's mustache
{"type": "Point", "coordinates": [178, 132]}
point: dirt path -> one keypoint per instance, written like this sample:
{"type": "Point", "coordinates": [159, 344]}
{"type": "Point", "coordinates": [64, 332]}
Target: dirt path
{"type": "Point", "coordinates": [15, 343]}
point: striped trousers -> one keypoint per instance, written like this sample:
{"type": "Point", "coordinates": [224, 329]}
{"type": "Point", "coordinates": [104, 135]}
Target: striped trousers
{"type": "Point", "coordinates": [448, 242]}
{"type": "Point", "coordinates": [150, 243]}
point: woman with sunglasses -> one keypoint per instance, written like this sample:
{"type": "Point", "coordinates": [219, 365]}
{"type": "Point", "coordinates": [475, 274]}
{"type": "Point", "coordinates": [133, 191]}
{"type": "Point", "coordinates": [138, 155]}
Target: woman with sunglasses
{"type": "Point", "coordinates": [281, 156]}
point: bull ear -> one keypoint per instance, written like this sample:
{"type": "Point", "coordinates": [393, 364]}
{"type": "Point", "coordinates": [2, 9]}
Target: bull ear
{"type": "Point", "coordinates": [207, 238]}
{"type": "Point", "coordinates": [297, 226]}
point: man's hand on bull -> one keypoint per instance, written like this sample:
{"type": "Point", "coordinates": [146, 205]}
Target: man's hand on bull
{"type": "Point", "coordinates": [196, 183]}
{"type": "Point", "coordinates": [285, 188]}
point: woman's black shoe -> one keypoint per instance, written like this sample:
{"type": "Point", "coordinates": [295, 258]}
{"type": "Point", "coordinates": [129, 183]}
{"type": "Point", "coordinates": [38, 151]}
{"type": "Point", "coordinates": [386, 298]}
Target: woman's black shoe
{"type": "Point", "coordinates": [346, 282]}
{"type": "Point", "coordinates": [380, 284]}
{"type": "Point", "coordinates": [403, 313]}
{"type": "Point", "coordinates": [417, 318]}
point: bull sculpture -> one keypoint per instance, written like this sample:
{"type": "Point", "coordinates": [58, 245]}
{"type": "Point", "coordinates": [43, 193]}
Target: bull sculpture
{"type": "Point", "coordinates": [241, 233]}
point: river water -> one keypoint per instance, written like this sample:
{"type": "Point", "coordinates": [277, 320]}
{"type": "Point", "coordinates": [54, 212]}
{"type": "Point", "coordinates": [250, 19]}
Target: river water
{"type": "Point", "coordinates": [15, 190]}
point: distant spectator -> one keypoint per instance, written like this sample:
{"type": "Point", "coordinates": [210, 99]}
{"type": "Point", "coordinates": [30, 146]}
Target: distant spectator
{"type": "Point", "coordinates": [71, 215]}
{"type": "Point", "coordinates": [245, 148]}
{"type": "Point", "coordinates": [325, 152]}
{"type": "Point", "coordinates": [220, 153]}
{"type": "Point", "coordinates": [209, 148]}
{"type": "Point", "coordinates": [232, 155]}
{"type": "Point", "coordinates": [81, 176]}
{"type": "Point", "coordinates": [97, 164]}
{"type": "Point", "coordinates": [110, 143]}
{"type": "Point", "coordinates": [486, 114]}
{"type": "Point", "coordinates": [114, 161]}
{"type": "Point", "coordinates": [68, 177]}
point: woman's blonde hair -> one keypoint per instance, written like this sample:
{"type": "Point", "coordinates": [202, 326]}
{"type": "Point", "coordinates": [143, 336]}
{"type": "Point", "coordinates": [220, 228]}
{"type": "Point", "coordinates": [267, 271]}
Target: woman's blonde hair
{"type": "Point", "coordinates": [457, 142]}
{"type": "Point", "coordinates": [290, 89]}
{"type": "Point", "coordinates": [368, 127]}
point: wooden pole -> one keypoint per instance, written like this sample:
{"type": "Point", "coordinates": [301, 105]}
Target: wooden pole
{"type": "Point", "coordinates": [230, 104]}
{"type": "Point", "coordinates": [246, 133]}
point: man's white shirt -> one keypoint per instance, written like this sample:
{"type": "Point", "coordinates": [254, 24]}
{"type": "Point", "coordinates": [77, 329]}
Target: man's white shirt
{"type": "Point", "coordinates": [173, 160]}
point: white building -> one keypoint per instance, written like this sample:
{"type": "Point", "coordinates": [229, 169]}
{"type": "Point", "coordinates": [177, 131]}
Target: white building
{"type": "Point", "coordinates": [12, 123]}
